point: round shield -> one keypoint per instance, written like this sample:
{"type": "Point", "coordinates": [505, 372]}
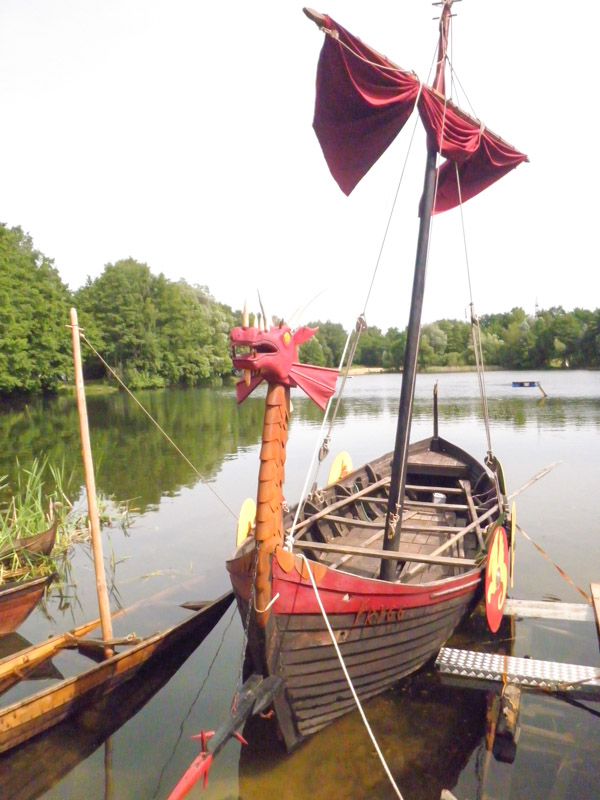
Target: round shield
{"type": "Point", "coordinates": [246, 521]}
{"type": "Point", "coordinates": [496, 578]}
{"type": "Point", "coordinates": [342, 465]}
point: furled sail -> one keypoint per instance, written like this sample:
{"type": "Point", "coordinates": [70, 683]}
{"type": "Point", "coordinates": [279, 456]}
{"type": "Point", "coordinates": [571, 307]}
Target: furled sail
{"type": "Point", "coordinates": [363, 101]}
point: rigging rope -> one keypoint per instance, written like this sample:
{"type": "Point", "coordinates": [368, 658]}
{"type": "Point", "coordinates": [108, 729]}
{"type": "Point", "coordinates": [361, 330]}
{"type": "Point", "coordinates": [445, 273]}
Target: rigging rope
{"type": "Point", "coordinates": [475, 329]}
{"type": "Point", "coordinates": [349, 680]}
{"type": "Point", "coordinates": [361, 325]}
{"type": "Point", "coordinates": [155, 423]}
{"type": "Point", "coordinates": [193, 703]}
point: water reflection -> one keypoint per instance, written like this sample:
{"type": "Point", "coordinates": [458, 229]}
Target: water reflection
{"type": "Point", "coordinates": [133, 459]}
{"type": "Point", "coordinates": [183, 524]}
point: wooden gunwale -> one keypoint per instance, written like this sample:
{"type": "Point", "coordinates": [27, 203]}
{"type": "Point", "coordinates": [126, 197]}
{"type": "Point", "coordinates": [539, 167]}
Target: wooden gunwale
{"type": "Point", "coordinates": [313, 626]}
{"type": "Point", "coordinates": [38, 543]}
{"type": "Point", "coordinates": [35, 714]}
{"type": "Point", "coordinates": [18, 599]}
{"type": "Point", "coordinates": [14, 668]}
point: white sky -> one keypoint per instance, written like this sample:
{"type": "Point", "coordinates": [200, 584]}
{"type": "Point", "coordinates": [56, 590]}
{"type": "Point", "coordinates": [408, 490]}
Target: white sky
{"type": "Point", "coordinates": [179, 132]}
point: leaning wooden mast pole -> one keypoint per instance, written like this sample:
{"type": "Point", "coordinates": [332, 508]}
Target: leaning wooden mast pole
{"type": "Point", "coordinates": [393, 522]}
{"type": "Point", "coordinates": [90, 487]}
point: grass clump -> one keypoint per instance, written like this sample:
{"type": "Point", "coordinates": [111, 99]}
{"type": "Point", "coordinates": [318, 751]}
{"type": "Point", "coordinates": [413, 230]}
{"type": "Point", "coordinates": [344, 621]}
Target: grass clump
{"type": "Point", "coordinates": [29, 505]}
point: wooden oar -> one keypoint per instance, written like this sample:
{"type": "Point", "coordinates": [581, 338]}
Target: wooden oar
{"type": "Point", "coordinates": [339, 504]}
{"type": "Point", "coordinates": [16, 667]}
{"type": "Point", "coordinates": [460, 534]}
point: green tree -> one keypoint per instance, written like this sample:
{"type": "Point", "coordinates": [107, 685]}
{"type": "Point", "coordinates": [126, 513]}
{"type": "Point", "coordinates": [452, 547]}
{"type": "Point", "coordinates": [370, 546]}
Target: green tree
{"type": "Point", "coordinates": [155, 332]}
{"type": "Point", "coordinates": [395, 344]}
{"type": "Point", "coordinates": [34, 309]}
{"type": "Point", "coordinates": [311, 352]}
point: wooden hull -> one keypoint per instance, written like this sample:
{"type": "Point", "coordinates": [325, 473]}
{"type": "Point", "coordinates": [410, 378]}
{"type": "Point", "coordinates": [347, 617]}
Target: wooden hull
{"type": "Point", "coordinates": [25, 719]}
{"type": "Point", "coordinates": [384, 630]}
{"type": "Point", "coordinates": [36, 544]}
{"type": "Point", "coordinates": [17, 601]}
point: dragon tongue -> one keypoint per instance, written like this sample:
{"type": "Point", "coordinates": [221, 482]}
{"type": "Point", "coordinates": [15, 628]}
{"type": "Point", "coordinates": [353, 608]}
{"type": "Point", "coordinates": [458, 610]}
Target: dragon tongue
{"type": "Point", "coordinates": [247, 376]}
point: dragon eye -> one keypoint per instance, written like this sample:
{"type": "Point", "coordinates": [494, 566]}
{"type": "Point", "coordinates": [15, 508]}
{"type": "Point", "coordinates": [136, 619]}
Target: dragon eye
{"type": "Point", "coordinates": [287, 337]}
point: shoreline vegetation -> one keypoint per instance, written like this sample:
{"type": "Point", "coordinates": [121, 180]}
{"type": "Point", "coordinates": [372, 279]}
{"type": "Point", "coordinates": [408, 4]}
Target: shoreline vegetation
{"type": "Point", "coordinates": [37, 495]}
{"type": "Point", "coordinates": [157, 333]}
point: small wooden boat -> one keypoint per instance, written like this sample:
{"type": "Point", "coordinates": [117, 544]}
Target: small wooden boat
{"type": "Point", "coordinates": [28, 717]}
{"type": "Point", "coordinates": [36, 544]}
{"type": "Point", "coordinates": [31, 769]}
{"type": "Point", "coordinates": [18, 599]}
{"type": "Point", "coordinates": [364, 581]}
{"type": "Point", "coordinates": [25, 719]}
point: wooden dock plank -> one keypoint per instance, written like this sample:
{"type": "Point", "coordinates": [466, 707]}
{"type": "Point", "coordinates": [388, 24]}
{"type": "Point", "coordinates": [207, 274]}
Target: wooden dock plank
{"type": "Point", "coordinates": [574, 612]}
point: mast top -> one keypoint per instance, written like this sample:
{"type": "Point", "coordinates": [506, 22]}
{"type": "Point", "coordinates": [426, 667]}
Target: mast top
{"type": "Point", "coordinates": [440, 80]}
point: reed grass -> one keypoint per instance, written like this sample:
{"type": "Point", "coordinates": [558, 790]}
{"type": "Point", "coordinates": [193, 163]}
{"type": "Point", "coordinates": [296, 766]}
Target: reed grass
{"type": "Point", "coordinates": [29, 504]}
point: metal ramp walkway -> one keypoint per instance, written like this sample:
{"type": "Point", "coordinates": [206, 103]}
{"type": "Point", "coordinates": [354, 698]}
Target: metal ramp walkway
{"type": "Point", "coordinates": [550, 676]}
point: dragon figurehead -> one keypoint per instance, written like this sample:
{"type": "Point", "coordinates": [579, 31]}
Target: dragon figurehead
{"type": "Point", "coordinates": [272, 355]}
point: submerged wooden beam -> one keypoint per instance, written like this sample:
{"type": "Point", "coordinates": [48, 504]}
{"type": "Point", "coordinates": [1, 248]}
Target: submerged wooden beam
{"type": "Point", "coordinates": [398, 555]}
{"type": "Point", "coordinates": [540, 609]}
{"type": "Point", "coordinates": [15, 667]}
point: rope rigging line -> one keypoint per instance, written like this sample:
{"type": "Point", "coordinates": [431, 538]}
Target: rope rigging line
{"type": "Point", "coordinates": [349, 680]}
{"type": "Point", "coordinates": [323, 449]}
{"type": "Point", "coordinates": [333, 33]}
{"type": "Point", "coordinates": [193, 704]}
{"type": "Point", "coordinates": [155, 423]}
{"type": "Point", "coordinates": [560, 571]}
{"type": "Point", "coordinates": [475, 329]}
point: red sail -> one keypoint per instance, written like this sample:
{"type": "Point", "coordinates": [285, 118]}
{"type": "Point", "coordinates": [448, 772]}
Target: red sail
{"type": "Point", "coordinates": [363, 102]}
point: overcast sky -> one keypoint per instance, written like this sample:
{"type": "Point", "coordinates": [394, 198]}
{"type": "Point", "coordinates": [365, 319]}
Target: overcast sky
{"type": "Point", "coordinates": [179, 133]}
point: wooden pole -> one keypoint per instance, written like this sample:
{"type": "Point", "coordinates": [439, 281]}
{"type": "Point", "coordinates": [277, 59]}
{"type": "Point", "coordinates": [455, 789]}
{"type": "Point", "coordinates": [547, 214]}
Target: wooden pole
{"type": "Point", "coordinates": [393, 521]}
{"type": "Point", "coordinates": [90, 488]}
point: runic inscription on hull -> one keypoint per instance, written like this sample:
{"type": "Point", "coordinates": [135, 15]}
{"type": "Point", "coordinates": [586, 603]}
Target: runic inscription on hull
{"type": "Point", "coordinates": [376, 616]}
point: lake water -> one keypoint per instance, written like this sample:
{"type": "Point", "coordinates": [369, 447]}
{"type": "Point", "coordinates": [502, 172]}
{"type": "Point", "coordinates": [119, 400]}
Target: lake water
{"type": "Point", "coordinates": [183, 529]}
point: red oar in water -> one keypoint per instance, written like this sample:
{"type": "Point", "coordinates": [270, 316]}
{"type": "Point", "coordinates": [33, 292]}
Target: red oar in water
{"type": "Point", "coordinates": [255, 695]}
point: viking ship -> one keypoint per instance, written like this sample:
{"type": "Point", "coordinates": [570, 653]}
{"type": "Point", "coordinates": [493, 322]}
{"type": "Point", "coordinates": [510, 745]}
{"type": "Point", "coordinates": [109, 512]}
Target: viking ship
{"type": "Point", "coordinates": [363, 582]}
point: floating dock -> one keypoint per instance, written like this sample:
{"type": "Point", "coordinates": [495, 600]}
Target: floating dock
{"type": "Point", "coordinates": [468, 667]}
{"type": "Point", "coordinates": [529, 385]}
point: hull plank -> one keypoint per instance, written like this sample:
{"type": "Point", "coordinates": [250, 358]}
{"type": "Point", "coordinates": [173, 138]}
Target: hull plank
{"type": "Point", "coordinates": [25, 719]}
{"type": "Point", "coordinates": [17, 601]}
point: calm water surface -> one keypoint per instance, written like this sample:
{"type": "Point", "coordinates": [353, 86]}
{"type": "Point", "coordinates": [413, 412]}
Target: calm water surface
{"type": "Point", "coordinates": [183, 529]}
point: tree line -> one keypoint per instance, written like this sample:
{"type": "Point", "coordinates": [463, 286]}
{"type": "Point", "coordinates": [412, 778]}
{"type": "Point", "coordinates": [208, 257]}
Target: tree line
{"type": "Point", "coordinates": [551, 338]}
{"type": "Point", "coordinates": [151, 331]}
{"type": "Point", "coordinates": [155, 332]}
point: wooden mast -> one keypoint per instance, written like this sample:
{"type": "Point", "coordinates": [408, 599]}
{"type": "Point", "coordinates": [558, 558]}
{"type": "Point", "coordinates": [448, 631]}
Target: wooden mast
{"type": "Point", "coordinates": [393, 522]}
{"type": "Point", "coordinates": [90, 488]}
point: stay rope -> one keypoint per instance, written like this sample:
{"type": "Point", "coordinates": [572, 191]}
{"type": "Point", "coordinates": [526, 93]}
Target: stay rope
{"type": "Point", "coordinates": [349, 680]}
{"type": "Point", "coordinates": [475, 329]}
{"type": "Point", "coordinates": [154, 422]}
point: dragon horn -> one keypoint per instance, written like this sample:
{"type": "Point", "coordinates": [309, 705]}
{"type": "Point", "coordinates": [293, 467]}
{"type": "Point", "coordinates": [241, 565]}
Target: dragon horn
{"type": "Point", "coordinates": [299, 311]}
{"type": "Point", "coordinates": [245, 324]}
{"type": "Point", "coordinates": [262, 308]}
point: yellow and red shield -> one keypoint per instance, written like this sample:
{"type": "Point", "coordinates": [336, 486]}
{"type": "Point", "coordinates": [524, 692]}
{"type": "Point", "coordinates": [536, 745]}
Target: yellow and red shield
{"type": "Point", "coordinates": [496, 578]}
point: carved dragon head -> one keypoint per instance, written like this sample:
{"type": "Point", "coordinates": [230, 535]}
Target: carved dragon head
{"type": "Point", "coordinates": [272, 355]}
